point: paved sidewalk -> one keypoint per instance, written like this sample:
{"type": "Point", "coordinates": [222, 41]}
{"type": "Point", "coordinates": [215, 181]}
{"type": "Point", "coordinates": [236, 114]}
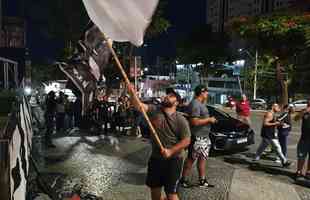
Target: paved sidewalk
{"type": "Point", "coordinates": [115, 169]}
{"type": "Point", "coordinates": [248, 185]}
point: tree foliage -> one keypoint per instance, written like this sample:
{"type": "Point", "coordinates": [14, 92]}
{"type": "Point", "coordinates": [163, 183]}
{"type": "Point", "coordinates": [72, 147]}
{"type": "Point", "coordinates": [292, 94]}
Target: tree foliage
{"type": "Point", "coordinates": [282, 34]}
{"type": "Point", "coordinates": [159, 23]}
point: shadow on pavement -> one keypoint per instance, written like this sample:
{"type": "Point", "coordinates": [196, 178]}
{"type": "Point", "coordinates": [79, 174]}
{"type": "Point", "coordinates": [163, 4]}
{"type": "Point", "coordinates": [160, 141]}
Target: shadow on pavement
{"type": "Point", "coordinates": [262, 165]}
{"type": "Point", "coordinates": [135, 178]}
{"type": "Point", "coordinates": [214, 153]}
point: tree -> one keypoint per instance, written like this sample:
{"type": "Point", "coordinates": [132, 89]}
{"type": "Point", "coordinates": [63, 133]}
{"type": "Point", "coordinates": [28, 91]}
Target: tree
{"type": "Point", "coordinates": [203, 46]}
{"type": "Point", "coordinates": [280, 35]}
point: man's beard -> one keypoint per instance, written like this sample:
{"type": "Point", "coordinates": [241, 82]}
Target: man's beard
{"type": "Point", "coordinates": [166, 104]}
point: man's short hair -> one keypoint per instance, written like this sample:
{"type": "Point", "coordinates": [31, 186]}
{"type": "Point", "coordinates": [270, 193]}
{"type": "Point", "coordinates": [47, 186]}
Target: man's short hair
{"type": "Point", "coordinates": [177, 95]}
{"type": "Point", "coordinates": [200, 89]}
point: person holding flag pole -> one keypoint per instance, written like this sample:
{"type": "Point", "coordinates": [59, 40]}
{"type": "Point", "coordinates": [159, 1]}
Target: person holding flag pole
{"type": "Point", "coordinates": [124, 21]}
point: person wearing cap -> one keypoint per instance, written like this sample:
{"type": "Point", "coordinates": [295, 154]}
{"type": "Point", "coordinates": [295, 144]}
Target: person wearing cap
{"type": "Point", "coordinates": [200, 123]}
{"type": "Point", "coordinates": [165, 166]}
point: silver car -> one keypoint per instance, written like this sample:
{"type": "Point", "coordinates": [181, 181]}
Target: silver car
{"type": "Point", "coordinates": [258, 104]}
{"type": "Point", "coordinates": [299, 104]}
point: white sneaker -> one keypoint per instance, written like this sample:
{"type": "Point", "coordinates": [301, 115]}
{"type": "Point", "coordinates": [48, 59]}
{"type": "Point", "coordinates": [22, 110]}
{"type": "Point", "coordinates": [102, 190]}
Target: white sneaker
{"type": "Point", "coordinates": [256, 159]}
{"type": "Point", "coordinates": [278, 161]}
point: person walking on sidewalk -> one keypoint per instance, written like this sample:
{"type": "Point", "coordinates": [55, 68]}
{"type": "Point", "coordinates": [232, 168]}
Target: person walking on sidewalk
{"type": "Point", "coordinates": [50, 113]}
{"type": "Point", "coordinates": [285, 128]}
{"type": "Point", "coordinates": [243, 110]}
{"type": "Point", "coordinates": [165, 166]}
{"type": "Point", "coordinates": [268, 134]}
{"type": "Point", "coordinates": [303, 147]}
{"type": "Point", "coordinates": [199, 148]}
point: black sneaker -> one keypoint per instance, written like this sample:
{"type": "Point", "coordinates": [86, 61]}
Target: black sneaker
{"type": "Point", "coordinates": [204, 183]}
{"type": "Point", "coordinates": [298, 176]}
{"type": "Point", "coordinates": [286, 164]}
{"type": "Point", "coordinates": [184, 183]}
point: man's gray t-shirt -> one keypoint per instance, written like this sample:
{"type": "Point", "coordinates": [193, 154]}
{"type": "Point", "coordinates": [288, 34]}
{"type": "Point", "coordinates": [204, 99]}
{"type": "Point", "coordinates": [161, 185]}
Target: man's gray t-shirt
{"type": "Point", "coordinates": [196, 109]}
{"type": "Point", "coordinates": [169, 136]}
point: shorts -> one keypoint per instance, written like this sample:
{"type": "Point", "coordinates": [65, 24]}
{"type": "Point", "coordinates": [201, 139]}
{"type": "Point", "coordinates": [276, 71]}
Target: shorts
{"type": "Point", "coordinates": [303, 149]}
{"type": "Point", "coordinates": [199, 148]}
{"type": "Point", "coordinates": [164, 173]}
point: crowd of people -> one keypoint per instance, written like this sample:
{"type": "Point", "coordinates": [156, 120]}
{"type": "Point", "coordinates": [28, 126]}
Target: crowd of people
{"type": "Point", "coordinates": [103, 117]}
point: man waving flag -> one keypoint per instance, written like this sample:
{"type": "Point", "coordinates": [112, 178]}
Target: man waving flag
{"type": "Point", "coordinates": [122, 20]}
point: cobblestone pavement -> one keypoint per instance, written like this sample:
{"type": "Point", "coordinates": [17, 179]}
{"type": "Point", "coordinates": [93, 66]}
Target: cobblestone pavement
{"type": "Point", "coordinates": [115, 169]}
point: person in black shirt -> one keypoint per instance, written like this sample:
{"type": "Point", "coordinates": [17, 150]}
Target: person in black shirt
{"type": "Point", "coordinates": [268, 134]}
{"type": "Point", "coordinates": [49, 117]}
{"type": "Point", "coordinates": [77, 112]}
{"type": "Point", "coordinates": [285, 127]}
{"type": "Point", "coordinates": [303, 147]}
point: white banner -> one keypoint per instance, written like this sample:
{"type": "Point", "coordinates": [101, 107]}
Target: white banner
{"type": "Point", "coordinates": [122, 20]}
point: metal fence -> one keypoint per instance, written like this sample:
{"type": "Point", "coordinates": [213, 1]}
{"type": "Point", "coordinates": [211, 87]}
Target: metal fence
{"type": "Point", "coordinates": [15, 146]}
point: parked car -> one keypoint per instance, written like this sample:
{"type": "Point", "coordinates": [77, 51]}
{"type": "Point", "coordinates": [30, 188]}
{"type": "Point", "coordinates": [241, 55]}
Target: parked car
{"type": "Point", "coordinates": [299, 104]}
{"type": "Point", "coordinates": [229, 133]}
{"type": "Point", "coordinates": [258, 104]}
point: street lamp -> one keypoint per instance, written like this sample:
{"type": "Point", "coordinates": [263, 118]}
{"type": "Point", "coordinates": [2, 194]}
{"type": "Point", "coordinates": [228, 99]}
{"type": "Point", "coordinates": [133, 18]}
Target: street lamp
{"type": "Point", "coordinates": [255, 71]}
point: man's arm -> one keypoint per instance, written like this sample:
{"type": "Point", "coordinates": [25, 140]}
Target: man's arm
{"type": "Point", "coordinates": [199, 122]}
{"type": "Point", "coordinates": [268, 117]}
{"type": "Point", "coordinates": [135, 101]}
{"type": "Point", "coordinates": [167, 153]}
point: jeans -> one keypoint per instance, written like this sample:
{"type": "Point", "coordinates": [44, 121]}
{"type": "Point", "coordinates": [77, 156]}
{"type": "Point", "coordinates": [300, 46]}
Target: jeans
{"type": "Point", "coordinates": [275, 144]}
{"type": "Point", "coordinates": [283, 140]}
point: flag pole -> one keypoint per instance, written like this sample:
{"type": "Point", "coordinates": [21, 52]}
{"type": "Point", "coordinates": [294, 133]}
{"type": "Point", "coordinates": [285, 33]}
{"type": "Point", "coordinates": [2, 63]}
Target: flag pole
{"type": "Point", "coordinates": [119, 65]}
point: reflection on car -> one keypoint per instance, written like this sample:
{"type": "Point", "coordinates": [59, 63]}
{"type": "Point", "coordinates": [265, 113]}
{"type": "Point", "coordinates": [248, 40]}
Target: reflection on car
{"type": "Point", "coordinates": [229, 133]}
{"type": "Point", "coordinates": [299, 105]}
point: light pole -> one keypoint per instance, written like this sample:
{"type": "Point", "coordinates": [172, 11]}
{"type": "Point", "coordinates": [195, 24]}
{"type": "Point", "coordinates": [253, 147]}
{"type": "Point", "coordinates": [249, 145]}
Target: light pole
{"type": "Point", "coordinates": [255, 69]}
{"type": "Point", "coordinates": [255, 75]}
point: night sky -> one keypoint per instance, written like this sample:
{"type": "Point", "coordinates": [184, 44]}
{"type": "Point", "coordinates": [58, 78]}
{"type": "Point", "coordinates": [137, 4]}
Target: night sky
{"type": "Point", "coordinates": [182, 14]}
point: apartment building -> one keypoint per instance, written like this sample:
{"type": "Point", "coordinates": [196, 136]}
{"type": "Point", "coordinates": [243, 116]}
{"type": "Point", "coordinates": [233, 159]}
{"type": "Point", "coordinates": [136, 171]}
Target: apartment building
{"type": "Point", "coordinates": [221, 11]}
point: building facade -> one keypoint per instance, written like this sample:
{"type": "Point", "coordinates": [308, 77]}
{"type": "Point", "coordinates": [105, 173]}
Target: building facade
{"type": "Point", "coordinates": [12, 43]}
{"type": "Point", "coordinates": [221, 11]}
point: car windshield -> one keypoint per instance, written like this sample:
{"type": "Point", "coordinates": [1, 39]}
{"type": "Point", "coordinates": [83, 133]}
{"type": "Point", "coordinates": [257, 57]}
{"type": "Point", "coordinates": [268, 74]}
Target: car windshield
{"type": "Point", "coordinates": [257, 101]}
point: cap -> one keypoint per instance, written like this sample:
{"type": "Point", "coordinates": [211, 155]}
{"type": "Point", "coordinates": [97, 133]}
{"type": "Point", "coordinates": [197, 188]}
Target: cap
{"type": "Point", "coordinates": [200, 89]}
{"type": "Point", "coordinates": [172, 91]}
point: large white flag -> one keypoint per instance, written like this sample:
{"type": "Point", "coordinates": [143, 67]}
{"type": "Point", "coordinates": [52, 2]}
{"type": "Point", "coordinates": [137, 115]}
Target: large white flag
{"type": "Point", "coordinates": [122, 20]}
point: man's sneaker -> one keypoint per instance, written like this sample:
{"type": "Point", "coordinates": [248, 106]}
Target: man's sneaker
{"type": "Point", "coordinates": [277, 160]}
{"type": "Point", "coordinates": [286, 164]}
{"type": "Point", "coordinates": [204, 183]}
{"type": "Point", "coordinates": [184, 183]}
{"type": "Point", "coordinates": [298, 176]}
{"type": "Point", "coordinates": [256, 159]}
